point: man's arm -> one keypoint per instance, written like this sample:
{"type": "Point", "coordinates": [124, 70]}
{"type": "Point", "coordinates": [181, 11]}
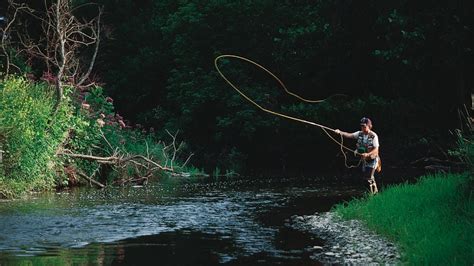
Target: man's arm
{"type": "Point", "coordinates": [345, 134]}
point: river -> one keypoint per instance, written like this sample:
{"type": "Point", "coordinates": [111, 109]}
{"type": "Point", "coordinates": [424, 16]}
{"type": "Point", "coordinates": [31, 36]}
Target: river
{"type": "Point", "coordinates": [174, 222]}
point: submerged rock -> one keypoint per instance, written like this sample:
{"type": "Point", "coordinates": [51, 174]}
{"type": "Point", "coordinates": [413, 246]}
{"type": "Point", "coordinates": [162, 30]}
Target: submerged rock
{"type": "Point", "coordinates": [346, 242]}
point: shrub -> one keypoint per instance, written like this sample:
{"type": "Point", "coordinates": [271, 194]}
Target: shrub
{"type": "Point", "coordinates": [32, 138]}
{"type": "Point", "coordinates": [29, 138]}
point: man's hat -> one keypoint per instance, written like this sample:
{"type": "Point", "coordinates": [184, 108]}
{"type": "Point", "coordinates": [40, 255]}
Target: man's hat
{"type": "Point", "coordinates": [365, 122]}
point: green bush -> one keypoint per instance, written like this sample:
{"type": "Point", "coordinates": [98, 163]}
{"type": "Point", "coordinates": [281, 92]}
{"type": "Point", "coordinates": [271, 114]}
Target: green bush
{"type": "Point", "coordinates": [29, 138]}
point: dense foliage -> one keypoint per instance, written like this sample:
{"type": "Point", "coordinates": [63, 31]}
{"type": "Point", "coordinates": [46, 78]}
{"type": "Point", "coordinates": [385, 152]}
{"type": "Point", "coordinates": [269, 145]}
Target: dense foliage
{"type": "Point", "coordinates": [28, 138]}
{"type": "Point", "coordinates": [402, 63]}
{"type": "Point", "coordinates": [33, 142]}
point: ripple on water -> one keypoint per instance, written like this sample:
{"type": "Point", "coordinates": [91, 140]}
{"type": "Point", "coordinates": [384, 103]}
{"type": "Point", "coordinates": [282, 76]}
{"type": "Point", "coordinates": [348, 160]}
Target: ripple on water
{"type": "Point", "coordinates": [249, 215]}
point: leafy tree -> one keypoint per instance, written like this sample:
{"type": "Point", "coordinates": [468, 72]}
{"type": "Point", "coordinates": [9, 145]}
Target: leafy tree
{"type": "Point", "coordinates": [396, 61]}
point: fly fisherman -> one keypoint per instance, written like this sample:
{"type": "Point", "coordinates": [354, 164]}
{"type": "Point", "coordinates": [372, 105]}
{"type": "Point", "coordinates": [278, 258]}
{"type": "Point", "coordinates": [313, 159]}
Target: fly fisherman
{"type": "Point", "coordinates": [368, 148]}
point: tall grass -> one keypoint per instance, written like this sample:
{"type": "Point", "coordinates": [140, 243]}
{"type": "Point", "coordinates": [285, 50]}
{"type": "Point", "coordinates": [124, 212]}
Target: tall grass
{"type": "Point", "coordinates": [432, 221]}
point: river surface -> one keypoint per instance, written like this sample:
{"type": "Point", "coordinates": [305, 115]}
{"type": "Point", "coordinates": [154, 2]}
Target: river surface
{"type": "Point", "coordinates": [236, 222]}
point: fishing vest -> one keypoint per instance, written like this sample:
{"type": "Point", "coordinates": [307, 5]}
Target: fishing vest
{"type": "Point", "coordinates": [366, 145]}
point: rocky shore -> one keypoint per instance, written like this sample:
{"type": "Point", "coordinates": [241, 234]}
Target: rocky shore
{"type": "Point", "coordinates": [346, 242]}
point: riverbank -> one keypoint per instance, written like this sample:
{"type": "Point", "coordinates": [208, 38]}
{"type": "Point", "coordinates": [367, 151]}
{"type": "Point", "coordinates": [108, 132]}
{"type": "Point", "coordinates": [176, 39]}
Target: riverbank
{"type": "Point", "coordinates": [430, 221]}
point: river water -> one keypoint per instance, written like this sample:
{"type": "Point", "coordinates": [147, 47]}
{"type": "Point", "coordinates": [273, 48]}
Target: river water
{"type": "Point", "coordinates": [237, 222]}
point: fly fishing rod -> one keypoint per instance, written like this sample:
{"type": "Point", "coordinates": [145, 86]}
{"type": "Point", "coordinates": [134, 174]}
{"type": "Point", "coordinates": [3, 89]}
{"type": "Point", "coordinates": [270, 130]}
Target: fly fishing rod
{"type": "Point", "coordinates": [323, 127]}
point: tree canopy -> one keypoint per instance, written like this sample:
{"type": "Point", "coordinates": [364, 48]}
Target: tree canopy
{"type": "Point", "coordinates": [405, 64]}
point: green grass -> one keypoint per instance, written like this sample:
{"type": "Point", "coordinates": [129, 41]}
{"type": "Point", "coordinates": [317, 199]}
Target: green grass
{"type": "Point", "coordinates": [432, 221]}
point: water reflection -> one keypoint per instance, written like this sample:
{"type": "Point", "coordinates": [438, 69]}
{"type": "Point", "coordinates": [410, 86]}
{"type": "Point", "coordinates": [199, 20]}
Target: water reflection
{"type": "Point", "coordinates": [234, 222]}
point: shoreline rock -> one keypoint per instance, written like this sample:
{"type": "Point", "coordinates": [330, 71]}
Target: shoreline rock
{"type": "Point", "coordinates": [346, 242]}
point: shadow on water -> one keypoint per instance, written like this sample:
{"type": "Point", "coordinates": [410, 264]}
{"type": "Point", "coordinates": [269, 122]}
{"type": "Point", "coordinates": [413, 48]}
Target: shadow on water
{"type": "Point", "coordinates": [187, 247]}
{"type": "Point", "coordinates": [235, 222]}
{"type": "Point", "coordinates": [181, 247]}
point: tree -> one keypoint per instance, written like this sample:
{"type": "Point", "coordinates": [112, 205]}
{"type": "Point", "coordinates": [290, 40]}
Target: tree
{"type": "Point", "coordinates": [60, 42]}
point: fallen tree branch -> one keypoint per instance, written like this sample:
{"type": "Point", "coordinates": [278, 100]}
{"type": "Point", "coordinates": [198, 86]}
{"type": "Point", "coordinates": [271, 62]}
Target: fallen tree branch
{"type": "Point", "coordinates": [164, 168]}
{"type": "Point", "coordinates": [97, 183]}
{"type": "Point", "coordinates": [123, 161]}
{"type": "Point", "coordinates": [105, 160]}
{"type": "Point", "coordinates": [136, 168]}
{"type": "Point", "coordinates": [116, 160]}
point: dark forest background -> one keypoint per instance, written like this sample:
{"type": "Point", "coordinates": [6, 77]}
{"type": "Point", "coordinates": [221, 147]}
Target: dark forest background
{"type": "Point", "coordinates": [405, 64]}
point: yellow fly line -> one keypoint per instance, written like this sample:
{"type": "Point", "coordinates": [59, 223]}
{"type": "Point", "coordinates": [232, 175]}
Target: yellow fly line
{"type": "Point", "coordinates": [324, 128]}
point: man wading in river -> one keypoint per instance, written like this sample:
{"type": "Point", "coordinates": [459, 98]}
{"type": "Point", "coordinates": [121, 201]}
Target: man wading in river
{"type": "Point", "coordinates": [368, 148]}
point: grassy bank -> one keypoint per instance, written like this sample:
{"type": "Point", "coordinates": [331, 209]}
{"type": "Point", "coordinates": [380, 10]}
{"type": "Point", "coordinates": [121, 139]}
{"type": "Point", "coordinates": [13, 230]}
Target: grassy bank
{"type": "Point", "coordinates": [432, 221]}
